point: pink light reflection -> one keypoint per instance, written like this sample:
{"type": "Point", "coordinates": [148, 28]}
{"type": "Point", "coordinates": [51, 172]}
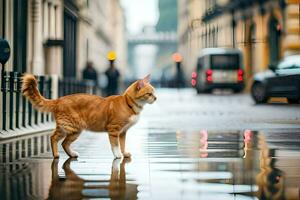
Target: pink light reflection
{"type": "Point", "coordinates": [247, 136]}
{"type": "Point", "coordinates": [203, 143]}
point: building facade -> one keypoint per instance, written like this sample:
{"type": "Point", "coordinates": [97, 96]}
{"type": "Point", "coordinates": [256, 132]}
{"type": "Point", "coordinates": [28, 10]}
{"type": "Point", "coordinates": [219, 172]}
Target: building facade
{"type": "Point", "coordinates": [264, 30]}
{"type": "Point", "coordinates": [101, 28]}
{"type": "Point", "coordinates": [59, 37]}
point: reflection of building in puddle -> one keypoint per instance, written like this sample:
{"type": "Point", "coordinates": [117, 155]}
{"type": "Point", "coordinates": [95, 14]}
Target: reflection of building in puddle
{"type": "Point", "coordinates": [270, 179]}
{"type": "Point", "coordinates": [240, 159]}
{"type": "Point", "coordinates": [74, 187]}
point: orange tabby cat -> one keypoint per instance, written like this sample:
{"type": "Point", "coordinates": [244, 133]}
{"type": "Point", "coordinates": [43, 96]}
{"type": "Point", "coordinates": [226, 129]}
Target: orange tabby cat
{"type": "Point", "coordinates": [77, 112]}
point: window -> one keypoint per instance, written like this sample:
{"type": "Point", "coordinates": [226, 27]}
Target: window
{"type": "Point", "coordinates": [290, 62]}
{"type": "Point", "coordinates": [230, 61]}
{"type": "Point", "coordinates": [200, 64]}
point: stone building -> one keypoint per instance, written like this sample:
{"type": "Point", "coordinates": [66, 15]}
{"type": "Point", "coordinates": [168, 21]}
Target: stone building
{"type": "Point", "coordinates": [264, 30]}
{"type": "Point", "coordinates": [101, 28]}
{"type": "Point", "coordinates": [58, 37]}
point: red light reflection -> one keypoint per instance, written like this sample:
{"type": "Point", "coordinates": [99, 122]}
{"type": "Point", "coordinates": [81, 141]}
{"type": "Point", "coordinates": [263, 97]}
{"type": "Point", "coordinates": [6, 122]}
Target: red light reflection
{"type": "Point", "coordinates": [203, 143]}
{"type": "Point", "coordinates": [247, 136]}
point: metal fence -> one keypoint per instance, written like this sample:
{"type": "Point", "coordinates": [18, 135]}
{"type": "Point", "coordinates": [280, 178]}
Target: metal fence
{"type": "Point", "coordinates": [68, 86]}
{"type": "Point", "coordinates": [17, 112]}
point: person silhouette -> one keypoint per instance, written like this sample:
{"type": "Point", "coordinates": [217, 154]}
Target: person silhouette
{"type": "Point", "coordinates": [90, 73]}
{"type": "Point", "coordinates": [112, 75]}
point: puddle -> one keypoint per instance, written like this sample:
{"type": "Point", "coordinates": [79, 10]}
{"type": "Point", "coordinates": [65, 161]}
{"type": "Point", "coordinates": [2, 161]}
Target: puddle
{"type": "Point", "coordinates": [182, 165]}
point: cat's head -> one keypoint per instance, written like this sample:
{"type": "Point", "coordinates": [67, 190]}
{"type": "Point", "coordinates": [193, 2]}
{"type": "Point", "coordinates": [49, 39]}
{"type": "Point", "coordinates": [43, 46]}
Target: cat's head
{"type": "Point", "coordinates": [142, 91]}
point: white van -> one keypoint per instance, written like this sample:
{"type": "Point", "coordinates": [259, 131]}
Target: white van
{"type": "Point", "coordinates": [219, 68]}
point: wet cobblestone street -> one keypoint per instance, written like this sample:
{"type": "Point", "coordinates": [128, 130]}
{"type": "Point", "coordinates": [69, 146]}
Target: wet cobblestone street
{"type": "Point", "coordinates": [185, 146]}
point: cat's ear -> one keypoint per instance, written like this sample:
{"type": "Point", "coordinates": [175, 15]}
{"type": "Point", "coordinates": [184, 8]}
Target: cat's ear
{"type": "Point", "coordinates": [140, 84]}
{"type": "Point", "coordinates": [147, 78]}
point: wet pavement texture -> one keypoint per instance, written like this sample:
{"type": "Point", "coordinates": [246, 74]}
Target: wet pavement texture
{"type": "Point", "coordinates": [186, 146]}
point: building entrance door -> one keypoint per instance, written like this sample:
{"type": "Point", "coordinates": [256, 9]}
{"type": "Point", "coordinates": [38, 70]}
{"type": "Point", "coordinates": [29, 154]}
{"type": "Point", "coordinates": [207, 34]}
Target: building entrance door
{"type": "Point", "coordinates": [20, 35]}
{"type": "Point", "coordinates": [70, 38]}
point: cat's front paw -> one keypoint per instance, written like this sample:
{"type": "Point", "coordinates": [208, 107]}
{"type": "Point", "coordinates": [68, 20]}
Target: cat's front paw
{"type": "Point", "coordinates": [118, 156]}
{"type": "Point", "coordinates": [116, 165]}
{"type": "Point", "coordinates": [117, 153]}
{"type": "Point", "coordinates": [126, 155]}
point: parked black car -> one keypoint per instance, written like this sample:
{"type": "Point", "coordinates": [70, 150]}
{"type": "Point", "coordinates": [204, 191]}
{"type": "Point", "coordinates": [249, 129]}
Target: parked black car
{"type": "Point", "coordinates": [282, 80]}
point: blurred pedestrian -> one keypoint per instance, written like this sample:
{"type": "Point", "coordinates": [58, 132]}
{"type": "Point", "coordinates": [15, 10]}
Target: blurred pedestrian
{"type": "Point", "coordinates": [90, 73]}
{"type": "Point", "coordinates": [112, 75]}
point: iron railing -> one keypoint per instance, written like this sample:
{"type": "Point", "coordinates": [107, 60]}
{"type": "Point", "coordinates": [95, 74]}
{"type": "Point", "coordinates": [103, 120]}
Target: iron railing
{"type": "Point", "coordinates": [17, 111]}
{"type": "Point", "coordinates": [68, 86]}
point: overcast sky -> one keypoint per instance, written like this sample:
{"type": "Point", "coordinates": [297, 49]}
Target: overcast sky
{"type": "Point", "coordinates": [140, 13]}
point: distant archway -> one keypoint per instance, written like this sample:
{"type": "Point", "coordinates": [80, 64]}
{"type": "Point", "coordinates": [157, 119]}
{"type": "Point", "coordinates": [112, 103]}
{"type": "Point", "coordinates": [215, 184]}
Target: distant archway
{"type": "Point", "coordinates": [274, 40]}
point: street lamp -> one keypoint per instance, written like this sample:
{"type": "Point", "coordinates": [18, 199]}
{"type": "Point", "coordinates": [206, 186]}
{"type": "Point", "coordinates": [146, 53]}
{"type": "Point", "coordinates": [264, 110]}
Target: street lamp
{"type": "Point", "coordinates": [177, 57]}
{"type": "Point", "coordinates": [179, 79]}
{"type": "Point", "coordinates": [111, 56]}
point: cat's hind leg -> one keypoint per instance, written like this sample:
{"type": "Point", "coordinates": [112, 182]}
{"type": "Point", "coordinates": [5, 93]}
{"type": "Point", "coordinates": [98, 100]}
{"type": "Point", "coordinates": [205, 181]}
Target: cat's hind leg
{"type": "Point", "coordinates": [71, 137]}
{"type": "Point", "coordinates": [55, 137]}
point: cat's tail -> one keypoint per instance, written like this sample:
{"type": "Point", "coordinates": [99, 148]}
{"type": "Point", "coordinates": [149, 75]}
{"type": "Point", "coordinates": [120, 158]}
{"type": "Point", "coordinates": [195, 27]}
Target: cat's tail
{"type": "Point", "coordinates": [31, 92]}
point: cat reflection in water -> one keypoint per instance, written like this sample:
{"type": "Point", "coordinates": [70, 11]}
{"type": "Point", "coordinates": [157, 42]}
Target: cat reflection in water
{"type": "Point", "coordinates": [72, 186]}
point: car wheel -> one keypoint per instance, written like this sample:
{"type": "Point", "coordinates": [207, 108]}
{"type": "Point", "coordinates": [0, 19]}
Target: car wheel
{"type": "Point", "coordinates": [258, 92]}
{"type": "Point", "coordinates": [201, 90]}
{"type": "Point", "coordinates": [293, 100]}
{"type": "Point", "coordinates": [207, 91]}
